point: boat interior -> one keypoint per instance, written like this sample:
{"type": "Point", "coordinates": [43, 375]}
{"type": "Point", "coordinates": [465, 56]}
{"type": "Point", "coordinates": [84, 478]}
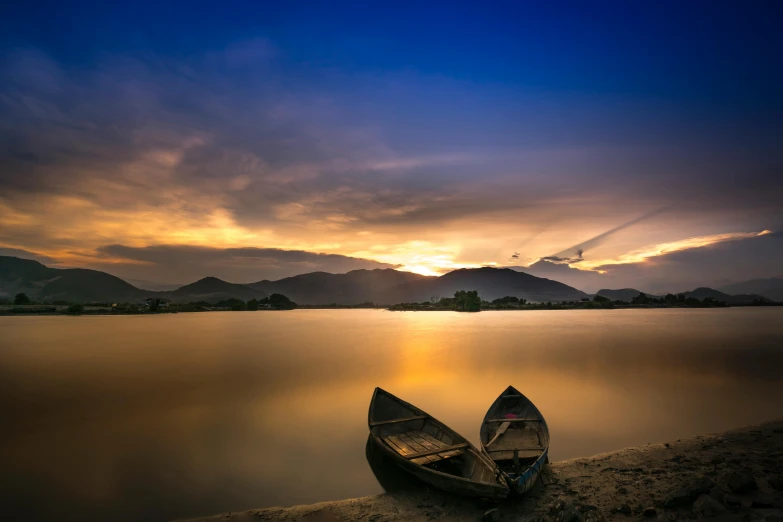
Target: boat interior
{"type": "Point", "coordinates": [513, 433]}
{"type": "Point", "coordinates": [421, 440]}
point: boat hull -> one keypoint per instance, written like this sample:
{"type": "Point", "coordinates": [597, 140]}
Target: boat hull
{"type": "Point", "coordinates": [510, 412]}
{"type": "Point", "coordinates": [432, 452]}
{"type": "Point", "coordinates": [444, 482]}
{"type": "Point", "coordinates": [525, 482]}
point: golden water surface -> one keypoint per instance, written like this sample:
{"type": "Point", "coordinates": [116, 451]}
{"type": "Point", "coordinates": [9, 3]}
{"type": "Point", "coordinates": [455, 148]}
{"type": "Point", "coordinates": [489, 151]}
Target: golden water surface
{"type": "Point", "coordinates": [168, 416]}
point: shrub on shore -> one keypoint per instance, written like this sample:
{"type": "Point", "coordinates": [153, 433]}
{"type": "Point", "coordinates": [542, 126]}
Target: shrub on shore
{"type": "Point", "coordinates": [21, 299]}
{"type": "Point", "coordinates": [75, 309]}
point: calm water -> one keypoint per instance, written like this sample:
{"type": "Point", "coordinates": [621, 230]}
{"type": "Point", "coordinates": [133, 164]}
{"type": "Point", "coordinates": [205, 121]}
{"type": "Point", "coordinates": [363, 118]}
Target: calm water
{"type": "Point", "coordinates": [159, 417]}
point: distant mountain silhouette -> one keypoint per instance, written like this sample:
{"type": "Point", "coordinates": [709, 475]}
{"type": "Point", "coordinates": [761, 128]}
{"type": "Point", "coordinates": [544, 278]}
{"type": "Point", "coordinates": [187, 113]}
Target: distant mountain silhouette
{"type": "Point", "coordinates": [211, 290]}
{"type": "Point", "coordinates": [23, 270]}
{"type": "Point", "coordinates": [79, 285]}
{"type": "Point", "coordinates": [389, 286]}
{"type": "Point", "coordinates": [380, 286]}
{"type": "Point", "coordinates": [491, 283]}
{"type": "Point", "coordinates": [354, 287]}
{"type": "Point", "coordinates": [771, 288]}
{"type": "Point", "coordinates": [71, 284]}
{"type": "Point", "coordinates": [704, 292]}
{"type": "Point", "coordinates": [622, 294]}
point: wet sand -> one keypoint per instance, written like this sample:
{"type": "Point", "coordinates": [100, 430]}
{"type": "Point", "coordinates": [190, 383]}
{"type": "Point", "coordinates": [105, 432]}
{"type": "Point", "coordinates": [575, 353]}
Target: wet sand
{"type": "Point", "coordinates": [737, 475]}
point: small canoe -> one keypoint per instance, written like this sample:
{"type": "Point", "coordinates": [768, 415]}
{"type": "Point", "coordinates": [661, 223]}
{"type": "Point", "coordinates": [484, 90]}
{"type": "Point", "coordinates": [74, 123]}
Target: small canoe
{"type": "Point", "coordinates": [514, 435]}
{"type": "Point", "coordinates": [431, 451]}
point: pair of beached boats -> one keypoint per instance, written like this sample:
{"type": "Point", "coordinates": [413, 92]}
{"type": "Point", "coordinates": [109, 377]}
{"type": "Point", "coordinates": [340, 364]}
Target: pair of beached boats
{"type": "Point", "coordinates": [514, 445]}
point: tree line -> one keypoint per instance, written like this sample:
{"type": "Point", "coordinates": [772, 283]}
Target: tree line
{"type": "Point", "coordinates": [155, 305]}
{"type": "Point", "coordinates": [469, 301]}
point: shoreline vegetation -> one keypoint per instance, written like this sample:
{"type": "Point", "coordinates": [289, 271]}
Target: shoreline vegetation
{"type": "Point", "coordinates": [463, 301]}
{"type": "Point", "coordinates": [457, 303]}
{"type": "Point", "coordinates": [22, 305]}
{"type": "Point", "coordinates": [28, 287]}
{"type": "Point", "coordinates": [731, 476]}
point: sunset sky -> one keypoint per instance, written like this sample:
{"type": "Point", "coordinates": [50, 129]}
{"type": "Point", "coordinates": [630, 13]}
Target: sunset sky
{"type": "Point", "coordinates": [600, 144]}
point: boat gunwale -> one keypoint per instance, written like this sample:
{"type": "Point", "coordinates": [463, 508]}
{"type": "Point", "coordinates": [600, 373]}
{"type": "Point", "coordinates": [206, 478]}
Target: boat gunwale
{"type": "Point", "coordinates": [539, 462]}
{"type": "Point", "coordinates": [478, 454]}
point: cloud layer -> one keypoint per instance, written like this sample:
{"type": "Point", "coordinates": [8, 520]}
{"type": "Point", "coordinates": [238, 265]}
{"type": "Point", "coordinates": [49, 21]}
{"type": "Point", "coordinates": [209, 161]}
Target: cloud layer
{"type": "Point", "coordinates": [240, 149]}
{"type": "Point", "coordinates": [183, 264]}
{"type": "Point", "coordinates": [675, 267]}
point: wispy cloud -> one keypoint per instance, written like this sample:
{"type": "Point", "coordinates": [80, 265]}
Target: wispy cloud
{"type": "Point", "coordinates": [575, 254]}
{"type": "Point", "coordinates": [644, 254]}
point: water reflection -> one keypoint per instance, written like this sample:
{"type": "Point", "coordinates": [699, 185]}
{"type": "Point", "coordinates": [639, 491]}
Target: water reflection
{"type": "Point", "coordinates": [154, 418]}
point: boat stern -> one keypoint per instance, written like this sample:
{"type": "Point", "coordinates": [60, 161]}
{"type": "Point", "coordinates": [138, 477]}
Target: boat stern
{"type": "Point", "coordinates": [521, 484]}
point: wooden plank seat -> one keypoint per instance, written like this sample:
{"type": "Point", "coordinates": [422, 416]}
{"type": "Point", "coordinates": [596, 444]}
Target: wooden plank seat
{"type": "Point", "coordinates": [394, 421]}
{"type": "Point", "coordinates": [422, 448]}
{"type": "Point", "coordinates": [523, 454]}
{"type": "Point", "coordinates": [540, 448]}
{"type": "Point", "coordinates": [436, 451]}
{"type": "Point", "coordinates": [526, 441]}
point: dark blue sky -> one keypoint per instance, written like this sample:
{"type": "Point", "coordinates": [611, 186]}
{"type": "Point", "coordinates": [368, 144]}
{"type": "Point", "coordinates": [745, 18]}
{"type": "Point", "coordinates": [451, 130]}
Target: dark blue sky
{"type": "Point", "coordinates": [396, 120]}
{"type": "Point", "coordinates": [695, 52]}
{"type": "Point", "coordinates": [714, 65]}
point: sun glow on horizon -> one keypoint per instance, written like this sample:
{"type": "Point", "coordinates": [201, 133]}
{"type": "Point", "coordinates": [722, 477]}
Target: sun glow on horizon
{"type": "Point", "coordinates": [437, 265]}
{"type": "Point", "coordinates": [438, 269]}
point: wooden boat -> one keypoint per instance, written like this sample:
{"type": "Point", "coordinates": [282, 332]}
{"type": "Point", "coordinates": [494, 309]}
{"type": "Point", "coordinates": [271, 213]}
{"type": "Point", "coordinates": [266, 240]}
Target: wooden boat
{"type": "Point", "coordinates": [514, 435]}
{"type": "Point", "coordinates": [431, 451]}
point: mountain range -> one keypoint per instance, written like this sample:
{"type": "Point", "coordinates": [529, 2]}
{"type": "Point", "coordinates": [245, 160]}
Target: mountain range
{"type": "Point", "coordinates": [380, 286]}
{"type": "Point", "coordinates": [73, 284]}
{"type": "Point", "coordinates": [771, 288]}
{"type": "Point", "coordinates": [80, 285]}
{"type": "Point", "coordinates": [701, 293]}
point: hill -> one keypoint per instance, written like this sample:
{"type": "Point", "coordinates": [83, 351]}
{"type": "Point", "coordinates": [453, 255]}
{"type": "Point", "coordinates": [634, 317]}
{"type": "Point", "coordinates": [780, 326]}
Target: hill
{"type": "Point", "coordinates": [771, 288]}
{"type": "Point", "coordinates": [211, 290]}
{"type": "Point", "coordinates": [84, 286]}
{"type": "Point", "coordinates": [23, 275]}
{"type": "Point", "coordinates": [71, 284]}
{"type": "Point", "coordinates": [622, 294]}
{"type": "Point", "coordinates": [14, 268]}
{"type": "Point", "coordinates": [354, 287]}
{"type": "Point", "coordinates": [491, 283]}
{"type": "Point", "coordinates": [79, 285]}
{"type": "Point", "coordinates": [704, 292]}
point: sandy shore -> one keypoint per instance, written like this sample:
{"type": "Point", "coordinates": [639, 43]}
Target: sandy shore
{"type": "Point", "coordinates": [737, 475]}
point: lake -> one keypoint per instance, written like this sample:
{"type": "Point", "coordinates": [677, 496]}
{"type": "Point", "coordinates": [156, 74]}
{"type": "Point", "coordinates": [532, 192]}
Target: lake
{"type": "Point", "coordinates": [167, 416]}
